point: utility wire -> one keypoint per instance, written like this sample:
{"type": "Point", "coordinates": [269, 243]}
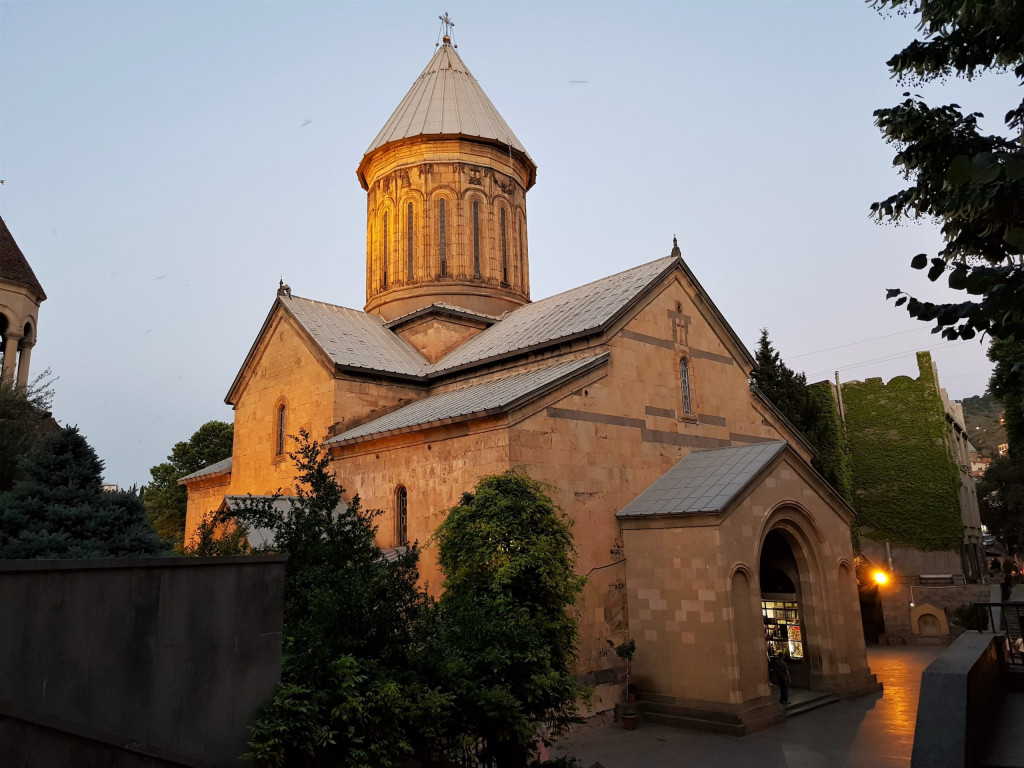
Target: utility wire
{"type": "Point", "coordinates": [862, 341]}
{"type": "Point", "coordinates": [886, 358]}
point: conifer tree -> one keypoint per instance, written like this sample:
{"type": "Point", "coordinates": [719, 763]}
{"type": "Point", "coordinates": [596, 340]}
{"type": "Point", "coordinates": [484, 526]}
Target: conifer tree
{"type": "Point", "coordinates": [58, 509]}
{"type": "Point", "coordinates": [785, 388]}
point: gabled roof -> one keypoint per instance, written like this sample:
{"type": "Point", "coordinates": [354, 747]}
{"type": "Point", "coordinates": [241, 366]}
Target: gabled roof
{"type": "Point", "coordinates": [496, 396]}
{"type": "Point", "coordinates": [576, 312]}
{"type": "Point", "coordinates": [446, 100]}
{"type": "Point", "coordinates": [14, 266]}
{"type": "Point", "coordinates": [703, 481]}
{"type": "Point", "coordinates": [354, 339]}
{"type": "Point", "coordinates": [222, 467]}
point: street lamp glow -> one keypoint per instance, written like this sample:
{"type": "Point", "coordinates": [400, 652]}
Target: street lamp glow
{"type": "Point", "coordinates": [881, 577]}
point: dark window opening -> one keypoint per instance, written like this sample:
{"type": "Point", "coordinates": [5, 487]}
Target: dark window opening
{"type": "Point", "coordinates": [409, 227]}
{"type": "Point", "coordinates": [443, 241]}
{"type": "Point", "coordinates": [384, 250]}
{"type": "Point", "coordinates": [401, 517]}
{"type": "Point", "coordinates": [684, 385]}
{"type": "Point", "coordinates": [504, 251]}
{"type": "Point", "coordinates": [476, 239]}
{"type": "Point", "coordinates": [279, 443]}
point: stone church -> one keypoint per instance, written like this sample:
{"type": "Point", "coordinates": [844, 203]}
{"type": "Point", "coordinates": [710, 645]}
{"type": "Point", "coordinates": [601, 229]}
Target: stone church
{"type": "Point", "coordinates": [704, 533]}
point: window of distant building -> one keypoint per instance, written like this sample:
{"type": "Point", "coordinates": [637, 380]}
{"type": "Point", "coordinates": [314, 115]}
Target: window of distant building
{"type": "Point", "coordinates": [401, 516]}
{"type": "Point", "coordinates": [684, 386]}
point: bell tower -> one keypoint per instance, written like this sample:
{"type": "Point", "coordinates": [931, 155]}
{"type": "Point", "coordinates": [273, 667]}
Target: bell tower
{"type": "Point", "coordinates": [446, 182]}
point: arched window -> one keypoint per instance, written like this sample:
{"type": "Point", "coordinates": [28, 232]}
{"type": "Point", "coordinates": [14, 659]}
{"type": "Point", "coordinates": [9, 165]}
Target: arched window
{"type": "Point", "coordinates": [384, 254]}
{"type": "Point", "coordinates": [684, 385]}
{"type": "Point", "coordinates": [504, 251]}
{"type": "Point", "coordinates": [401, 516]}
{"type": "Point", "coordinates": [442, 238]}
{"type": "Point", "coordinates": [476, 239]}
{"type": "Point", "coordinates": [279, 441]}
{"type": "Point", "coordinates": [408, 227]}
{"type": "Point", "coordinates": [522, 259]}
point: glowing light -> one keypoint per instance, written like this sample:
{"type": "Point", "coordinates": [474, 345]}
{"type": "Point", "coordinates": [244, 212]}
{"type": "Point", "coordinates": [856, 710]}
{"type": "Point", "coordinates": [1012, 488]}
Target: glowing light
{"type": "Point", "coordinates": [880, 577]}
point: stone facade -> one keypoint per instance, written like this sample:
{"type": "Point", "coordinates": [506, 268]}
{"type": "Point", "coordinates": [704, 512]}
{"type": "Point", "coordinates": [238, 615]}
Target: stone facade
{"type": "Point", "coordinates": [451, 373]}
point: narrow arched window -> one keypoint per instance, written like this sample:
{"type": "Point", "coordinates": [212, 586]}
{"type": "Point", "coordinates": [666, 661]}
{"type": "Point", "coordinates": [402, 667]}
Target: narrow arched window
{"type": "Point", "coordinates": [504, 251]}
{"type": "Point", "coordinates": [409, 239]}
{"type": "Point", "coordinates": [684, 385]}
{"type": "Point", "coordinates": [476, 238]}
{"type": "Point", "coordinates": [442, 238]}
{"type": "Point", "coordinates": [522, 259]}
{"type": "Point", "coordinates": [279, 441]}
{"type": "Point", "coordinates": [401, 517]}
{"type": "Point", "coordinates": [384, 255]}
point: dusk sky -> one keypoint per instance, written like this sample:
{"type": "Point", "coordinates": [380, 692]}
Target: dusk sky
{"type": "Point", "coordinates": [164, 163]}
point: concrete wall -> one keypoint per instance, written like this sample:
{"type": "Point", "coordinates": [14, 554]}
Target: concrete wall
{"type": "Point", "coordinates": [960, 698]}
{"type": "Point", "coordinates": [171, 656]}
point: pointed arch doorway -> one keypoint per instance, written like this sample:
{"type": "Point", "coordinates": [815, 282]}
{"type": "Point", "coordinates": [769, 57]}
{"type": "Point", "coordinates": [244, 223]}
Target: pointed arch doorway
{"type": "Point", "coordinates": [782, 605]}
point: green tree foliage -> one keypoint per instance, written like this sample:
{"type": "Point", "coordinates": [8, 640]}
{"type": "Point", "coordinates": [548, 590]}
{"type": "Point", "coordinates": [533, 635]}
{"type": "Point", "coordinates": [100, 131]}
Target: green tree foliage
{"type": "Point", "coordinates": [971, 183]}
{"type": "Point", "coordinates": [1007, 384]}
{"type": "Point", "coordinates": [58, 509]}
{"type": "Point", "coordinates": [506, 638]}
{"type": "Point", "coordinates": [981, 414]}
{"type": "Point", "coordinates": [1001, 499]}
{"type": "Point", "coordinates": [810, 409]}
{"type": "Point", "coordinates": [350, 693]}
{"type": "Point", "coordinates": [24, 420]}
{"type": "Point", "coordinates": [165, 500]}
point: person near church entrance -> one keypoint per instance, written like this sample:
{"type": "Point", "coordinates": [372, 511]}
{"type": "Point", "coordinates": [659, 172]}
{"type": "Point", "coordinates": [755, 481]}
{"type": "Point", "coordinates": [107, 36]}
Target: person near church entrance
{"type": "Point", "coordinates": [781, 673]}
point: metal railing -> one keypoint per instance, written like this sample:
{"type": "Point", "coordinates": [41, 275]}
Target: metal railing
{"type": "Point", "coordinates": [1005, 619]}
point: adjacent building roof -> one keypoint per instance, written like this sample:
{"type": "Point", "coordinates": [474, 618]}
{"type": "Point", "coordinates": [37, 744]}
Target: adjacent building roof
{"type": "Point", "coordinates": [496, 396]}
{"type": "Point", "coordinates": [446, 100]}
{"type": "Point", "coordinates": [703, 481]}
{"type": "Point", "coordinates": [218, 468]}
{"type": "Point", "coordinates": [14, 266]}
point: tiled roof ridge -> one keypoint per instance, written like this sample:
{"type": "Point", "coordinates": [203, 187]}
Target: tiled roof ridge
{"type": "Point", "coordinates": [451, 308]}
{"type": "Point", "coordinates": [14, 267]}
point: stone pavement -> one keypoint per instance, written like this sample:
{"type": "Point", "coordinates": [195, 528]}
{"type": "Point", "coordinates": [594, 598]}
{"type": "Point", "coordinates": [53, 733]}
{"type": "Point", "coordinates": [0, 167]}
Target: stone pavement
{"type": "Point", "coordinates": [874, 731]}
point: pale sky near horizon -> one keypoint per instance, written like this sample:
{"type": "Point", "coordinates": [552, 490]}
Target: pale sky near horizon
{"type": "Point", "coordinates": [165, 162]}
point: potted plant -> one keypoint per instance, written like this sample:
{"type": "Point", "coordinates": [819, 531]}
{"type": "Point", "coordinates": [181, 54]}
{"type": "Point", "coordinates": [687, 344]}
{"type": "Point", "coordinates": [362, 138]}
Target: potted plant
{"type": "Point", "coordinates": [625, 651]}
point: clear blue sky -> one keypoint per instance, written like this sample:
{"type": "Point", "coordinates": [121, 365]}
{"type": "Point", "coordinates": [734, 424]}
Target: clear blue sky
{"type": "Point", "coordinates": [159, 178]}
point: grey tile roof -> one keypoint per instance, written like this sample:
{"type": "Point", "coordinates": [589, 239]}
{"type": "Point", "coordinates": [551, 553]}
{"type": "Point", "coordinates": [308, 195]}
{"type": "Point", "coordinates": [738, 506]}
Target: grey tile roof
{"type": "Point", "coordinates": [574, 312]}
{"type": "Point", "coordinates": [259, 537]}
{"type": "Point", "coordinates": [441, 307]}
{"type": "Point", "coordinates": [355, 339]}
{"type": "Point", "coordinates": [491, 396]}
{"type": "Point", "coordinates": [222, 467]}
{"type": "Point", "coordinates": [704, 481]}
{"type": "Point", "coordinates": [446, 100]}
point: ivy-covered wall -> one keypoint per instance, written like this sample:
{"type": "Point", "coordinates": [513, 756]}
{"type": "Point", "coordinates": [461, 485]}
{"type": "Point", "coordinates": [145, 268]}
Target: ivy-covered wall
{"type": "Point", "coordinates": [905, 483]}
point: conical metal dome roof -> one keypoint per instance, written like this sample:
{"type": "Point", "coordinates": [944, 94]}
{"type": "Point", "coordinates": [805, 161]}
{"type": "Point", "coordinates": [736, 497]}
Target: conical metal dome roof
{"type": "Point", "coordinates": [446, 100]}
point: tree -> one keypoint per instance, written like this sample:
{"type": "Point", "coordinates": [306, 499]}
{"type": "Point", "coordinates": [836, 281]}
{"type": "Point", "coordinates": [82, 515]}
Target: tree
{"type": "Point", "coordinates": [1007, 385]}
{"type": "Point", "coordinates": [506, 638]}
{"type": "Point", "coordinates": [24, 420]}
{"type": "Point", "coordinates": [1001, 499]}
{"type": "Point", "coordinates": [350, 694]}
{"type": "Point", "coordinates": [60, 510]}
{"type": "Point", "coordinates": [165, 500]}
{"type": "Point", "coordinates": [972, 184]}
{"type": "Point", "coordinates": [785, 388]}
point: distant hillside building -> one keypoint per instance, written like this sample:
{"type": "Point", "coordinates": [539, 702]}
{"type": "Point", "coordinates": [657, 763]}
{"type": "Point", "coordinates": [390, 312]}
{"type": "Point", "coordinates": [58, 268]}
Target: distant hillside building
{"type": "Point", "coordinates": [20, 297]}
{"type": "Point", "coordinates": [704, 533]}
{"type": "Point", "coordinates": [917, 509]}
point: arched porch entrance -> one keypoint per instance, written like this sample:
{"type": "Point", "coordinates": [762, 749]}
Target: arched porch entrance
{"type": "Point", "coordinates": [783, 605]}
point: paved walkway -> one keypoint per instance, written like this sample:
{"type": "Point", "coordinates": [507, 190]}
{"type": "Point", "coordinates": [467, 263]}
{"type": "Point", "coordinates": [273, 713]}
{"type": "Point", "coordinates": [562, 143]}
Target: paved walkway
{"type": "Point", "coordinates": [874, 731]}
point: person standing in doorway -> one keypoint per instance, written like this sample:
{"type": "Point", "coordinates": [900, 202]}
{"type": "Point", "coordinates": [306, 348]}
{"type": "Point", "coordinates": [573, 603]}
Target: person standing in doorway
{"type": "Point", "coordinates": [782, 675]}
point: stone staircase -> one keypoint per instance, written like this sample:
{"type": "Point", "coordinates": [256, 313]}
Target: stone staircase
{"type": "Point", "coordinates": [808, 701]}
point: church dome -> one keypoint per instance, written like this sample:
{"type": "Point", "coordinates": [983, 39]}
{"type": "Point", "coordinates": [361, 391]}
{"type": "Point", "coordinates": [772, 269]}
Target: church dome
{"type": "Point", "coordinates": [446, 182]}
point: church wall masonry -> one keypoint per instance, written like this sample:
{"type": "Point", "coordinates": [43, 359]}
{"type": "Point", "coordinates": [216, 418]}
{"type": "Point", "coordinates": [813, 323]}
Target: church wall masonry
{"type": "Point", "coordinates": [450, 374]}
